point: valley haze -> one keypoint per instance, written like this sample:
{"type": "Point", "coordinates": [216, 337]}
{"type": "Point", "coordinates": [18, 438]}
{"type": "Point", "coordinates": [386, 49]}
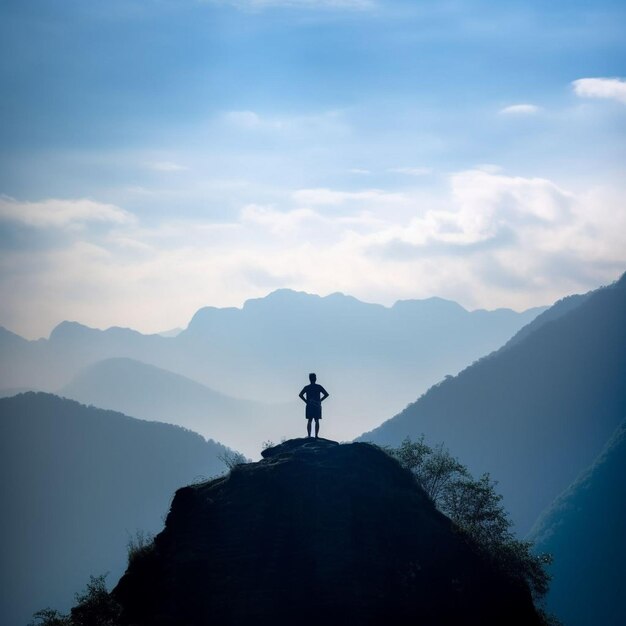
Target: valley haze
{"type": "Point", "coordinates": [234, 374]}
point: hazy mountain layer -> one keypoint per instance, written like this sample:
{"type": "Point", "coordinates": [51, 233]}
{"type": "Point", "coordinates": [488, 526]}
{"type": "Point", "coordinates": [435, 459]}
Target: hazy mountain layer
{"type": "Point", "coordinates": [584, 530]}
{"type": "Point", "coordinates": [372, 359]}
{"type": "Point", "coordinates": [75, 484]}
{"type": "Point", "coordinates": [149, 392]}
{"type": "Point", "coordinates": [536, 412]}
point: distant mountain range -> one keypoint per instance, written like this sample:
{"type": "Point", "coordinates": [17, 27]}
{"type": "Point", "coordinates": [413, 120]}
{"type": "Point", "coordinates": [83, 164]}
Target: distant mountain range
{"type": "Point", "coordinates": [148, 392]}
{"type": "Point", "coordinates": [75, 483]}
{"type": "Point", "coordinates": [537, 411]}
{"type": "Point", "coordinates": [373, 359]}
{"type": "Point", "coordinates": [584, 531]}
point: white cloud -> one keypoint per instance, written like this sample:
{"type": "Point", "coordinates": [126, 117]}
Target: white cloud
{"type": "Point", "coordinates": [358, 170]}
{"type": "Point", "coordinates": [62, 213]}
{"type": "Point", "coordinates": [509, 241]}
{"type": "Point", "coordinates": [493, 198]}
{"type": "Point", "coordinates": [412, 171]}
{"type": "Point", "coordinates": [165, 166]}
{"type": "Point", "coordinates": [520, 109]}
{"type": "Point", "coordinates": [610, 88]}
{"type": "Point", "coordinates": [484, 208]}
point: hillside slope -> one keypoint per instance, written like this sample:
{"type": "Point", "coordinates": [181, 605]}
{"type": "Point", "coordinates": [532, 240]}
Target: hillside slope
{"type": "Point", "coordinates": [149, 392]}
{"type": "Point", "coordinates": [584, 530]}
{"type": "Point", "coordinates": [75, 484]}
{"type": "Point", "coordinates": [536, 412]}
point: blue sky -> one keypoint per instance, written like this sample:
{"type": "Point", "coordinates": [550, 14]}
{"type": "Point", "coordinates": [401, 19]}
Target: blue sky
{"type": "Point", "coordinates": [162, 155]}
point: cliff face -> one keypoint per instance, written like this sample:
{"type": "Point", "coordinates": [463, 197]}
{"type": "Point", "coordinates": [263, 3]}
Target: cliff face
{"type": "Point", "coordinates": [315, 533]}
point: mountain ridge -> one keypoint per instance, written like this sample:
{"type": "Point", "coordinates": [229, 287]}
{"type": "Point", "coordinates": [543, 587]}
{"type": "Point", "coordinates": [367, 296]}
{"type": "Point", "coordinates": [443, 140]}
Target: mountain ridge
{"type": "Point", "coordinates": [65, 325]}
{"type": "Point", "coordinates": [533, 399]}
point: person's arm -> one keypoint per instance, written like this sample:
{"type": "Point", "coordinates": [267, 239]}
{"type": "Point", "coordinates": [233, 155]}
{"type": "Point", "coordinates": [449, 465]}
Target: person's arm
{"type": "Point", "coordinates": [301, 395]}
{"type": "Point", "coordinates": [326, 394]}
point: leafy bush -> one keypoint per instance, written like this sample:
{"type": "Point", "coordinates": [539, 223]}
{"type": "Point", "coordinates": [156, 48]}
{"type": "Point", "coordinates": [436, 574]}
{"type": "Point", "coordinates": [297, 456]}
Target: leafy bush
{"type": "Point", "coordinates": [475, 507]}
{"type": "Point", "coordinates": [94, 607]}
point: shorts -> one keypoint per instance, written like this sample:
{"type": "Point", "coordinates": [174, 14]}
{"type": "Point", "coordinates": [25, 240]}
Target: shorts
{"type": "Point", "coordinates": [313, 412]}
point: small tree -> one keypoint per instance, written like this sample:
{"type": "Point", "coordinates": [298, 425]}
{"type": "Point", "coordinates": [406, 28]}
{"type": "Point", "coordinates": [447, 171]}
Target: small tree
{"type": "Point", "coordinates": [95, 606]}
{"type": "Point", "coordinates": [475, 507]}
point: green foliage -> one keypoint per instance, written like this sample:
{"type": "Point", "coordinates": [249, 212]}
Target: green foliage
{"type": "Point", "coordinates": [435, 469]}
{"type": "Point", "coordinates": [94, 607]}
{"type": "Point", "coordinates": [476, 509]}
{"type": "Point", "coordinates": [232, 459]}
{"type": "Point", "coordinates": [139, 545]}
{"type": "Point", "coordinates": [50, 617]}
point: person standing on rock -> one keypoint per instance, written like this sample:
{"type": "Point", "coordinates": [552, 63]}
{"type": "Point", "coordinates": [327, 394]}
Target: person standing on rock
{"type": "Point", "coordinates": [313, 395]}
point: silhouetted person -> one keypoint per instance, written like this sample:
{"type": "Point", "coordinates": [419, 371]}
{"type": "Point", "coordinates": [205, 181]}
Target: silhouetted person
{"type": "Point", "coordinates": [315, 395]}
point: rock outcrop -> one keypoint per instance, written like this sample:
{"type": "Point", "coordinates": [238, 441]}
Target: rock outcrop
{"type": "Point", "coordinates": [315, 533]}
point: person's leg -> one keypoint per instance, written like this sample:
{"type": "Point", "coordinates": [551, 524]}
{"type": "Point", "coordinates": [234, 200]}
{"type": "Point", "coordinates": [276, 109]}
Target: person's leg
{"type": "Point", "coordinates": [317, 428]}
{"type": "Point", "coordinates": [308, 427]}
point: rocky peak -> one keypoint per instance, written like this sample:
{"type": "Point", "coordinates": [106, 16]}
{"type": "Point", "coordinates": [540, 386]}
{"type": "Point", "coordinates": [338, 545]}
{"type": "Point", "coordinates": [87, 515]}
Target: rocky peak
{"type": "Point", "coordinates": [315, 533]}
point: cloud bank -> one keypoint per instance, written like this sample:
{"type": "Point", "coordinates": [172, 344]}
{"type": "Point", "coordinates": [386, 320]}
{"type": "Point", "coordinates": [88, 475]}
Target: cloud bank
{"type": "Point", "coordinates": [494, 239]}
{"type": "Point", "coordinates": [61, 213]}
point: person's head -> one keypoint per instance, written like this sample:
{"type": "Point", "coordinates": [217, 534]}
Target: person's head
{"type": "Point", "coordinates": [312, 377]}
